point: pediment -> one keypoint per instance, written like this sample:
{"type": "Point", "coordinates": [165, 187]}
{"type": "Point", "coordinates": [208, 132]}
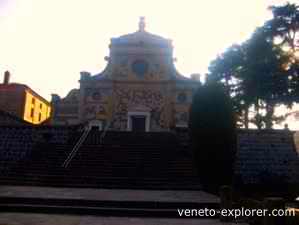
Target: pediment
{"type": "Point", "coordinates": [138, 108]}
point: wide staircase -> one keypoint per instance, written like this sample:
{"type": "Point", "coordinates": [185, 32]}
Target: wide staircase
{"type": "Point", "coordinates": [134, 160]}
{"type": "Point", "coordinates": [110, 160]}
{"type": "Point", "coordinates": [143, 174]}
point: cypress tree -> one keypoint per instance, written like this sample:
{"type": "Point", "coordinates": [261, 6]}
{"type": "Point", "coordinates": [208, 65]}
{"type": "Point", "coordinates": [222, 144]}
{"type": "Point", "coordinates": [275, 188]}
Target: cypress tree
{"type": "Point", "coordinates": [212, 128]}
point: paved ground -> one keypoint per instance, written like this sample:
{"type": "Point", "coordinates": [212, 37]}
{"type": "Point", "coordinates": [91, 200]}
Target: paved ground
{"type": "Point", "coordinates": [108, 194]}
{"type": "Point", "coordinates": [102, 194]}
{"type": "Point", "coordinates": [44, 219]}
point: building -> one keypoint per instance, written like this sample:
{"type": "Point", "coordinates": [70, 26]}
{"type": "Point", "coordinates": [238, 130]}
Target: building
{"type": "Point", "coordinates": [140, 88]}
{"type": "Point", "coordinates": [21, 101]}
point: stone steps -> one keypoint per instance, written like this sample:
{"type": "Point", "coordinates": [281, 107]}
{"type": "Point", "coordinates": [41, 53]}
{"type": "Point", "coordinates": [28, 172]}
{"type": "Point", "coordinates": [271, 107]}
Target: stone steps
{"type": "Point", "coordinates": [101, 208]}
{"type": "Point", "coordinates": [125, 159]}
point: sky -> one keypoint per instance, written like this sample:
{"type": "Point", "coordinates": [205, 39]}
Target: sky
{"type": "Point", "coordinates": [46, 43]}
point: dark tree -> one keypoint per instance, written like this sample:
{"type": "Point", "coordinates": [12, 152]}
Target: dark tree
{"type": "Point", "coordinates": [228, 69]}
{"type": "Point", "coordinates": [213, 133]}
{"type": "Point", "coordinates": [285, 25]}
{"type": "Point", "coordinates": [265, 67]}
{"type": "Point", "coordinates": [284, 28]}
{"type": "Point", "coordinates": [262, 73]}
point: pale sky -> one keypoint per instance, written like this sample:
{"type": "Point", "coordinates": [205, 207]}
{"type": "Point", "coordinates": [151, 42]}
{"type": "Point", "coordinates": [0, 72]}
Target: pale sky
{"type": "Point", "coordinates": [46, 43]}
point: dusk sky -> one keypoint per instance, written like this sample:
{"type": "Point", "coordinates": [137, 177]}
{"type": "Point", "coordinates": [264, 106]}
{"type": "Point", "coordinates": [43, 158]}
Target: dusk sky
{"type": "Point", "coordinates": [46, 43]}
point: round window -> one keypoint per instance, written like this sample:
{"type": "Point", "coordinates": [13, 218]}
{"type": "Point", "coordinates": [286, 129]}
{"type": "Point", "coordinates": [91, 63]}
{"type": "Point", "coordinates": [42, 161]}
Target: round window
{"type": "Point", "coordinates": [140, 67]}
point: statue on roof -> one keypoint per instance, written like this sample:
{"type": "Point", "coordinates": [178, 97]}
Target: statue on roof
{"type": "Point", "coordinates": [142, 23]}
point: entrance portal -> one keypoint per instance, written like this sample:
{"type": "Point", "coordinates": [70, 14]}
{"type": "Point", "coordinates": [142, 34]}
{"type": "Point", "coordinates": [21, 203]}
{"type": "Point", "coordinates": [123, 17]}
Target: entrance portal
{"type": "Point", "coordinates": [138, 123]}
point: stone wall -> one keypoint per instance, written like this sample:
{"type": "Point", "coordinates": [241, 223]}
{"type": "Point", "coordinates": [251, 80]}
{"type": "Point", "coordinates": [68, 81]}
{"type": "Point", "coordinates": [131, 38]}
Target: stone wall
{"type": "Point", "coordinates": [263, 155]}
{"type": "Point", "coordinates": [267, 156]}
{"type": "Point", "coordinates": [9, 119]}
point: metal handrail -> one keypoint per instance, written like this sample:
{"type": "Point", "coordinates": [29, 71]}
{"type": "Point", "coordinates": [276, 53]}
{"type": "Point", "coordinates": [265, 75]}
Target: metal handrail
{"type": "Point", "coordinates": [76, 148]}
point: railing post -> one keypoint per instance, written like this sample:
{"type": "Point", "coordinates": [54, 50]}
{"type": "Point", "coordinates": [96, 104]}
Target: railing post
{"type": "Point", "coordinates": [271, 204]}
{"type": "Point", "coordinates": [226, 201]}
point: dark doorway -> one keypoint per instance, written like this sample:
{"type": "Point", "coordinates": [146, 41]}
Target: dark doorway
{"type": "Point", "coordinates": [138, 123]}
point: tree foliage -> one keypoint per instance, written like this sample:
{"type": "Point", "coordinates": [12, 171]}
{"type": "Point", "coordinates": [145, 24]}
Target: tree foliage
{"type": "Point", "coordinates": [262, 73]}
{"type": "Point", "coordinates": [285, 25]}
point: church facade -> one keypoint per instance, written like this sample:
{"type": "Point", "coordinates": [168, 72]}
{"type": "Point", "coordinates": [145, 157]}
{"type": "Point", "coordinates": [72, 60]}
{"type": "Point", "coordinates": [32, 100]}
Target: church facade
{"type": "Point", "coordinates": [139, 90]}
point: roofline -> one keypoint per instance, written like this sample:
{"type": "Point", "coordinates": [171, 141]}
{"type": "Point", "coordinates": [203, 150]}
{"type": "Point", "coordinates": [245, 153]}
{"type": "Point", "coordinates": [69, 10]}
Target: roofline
{"type": "Point", "coordinates": [26, 88]}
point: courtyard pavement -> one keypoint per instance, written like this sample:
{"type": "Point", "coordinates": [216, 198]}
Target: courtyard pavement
{"type": "Point", "coordinates": [45, 219]}
{"type": "Point", "coordinates": [103, 194]}
{"type": "Point", "coordinates": [108, 194]}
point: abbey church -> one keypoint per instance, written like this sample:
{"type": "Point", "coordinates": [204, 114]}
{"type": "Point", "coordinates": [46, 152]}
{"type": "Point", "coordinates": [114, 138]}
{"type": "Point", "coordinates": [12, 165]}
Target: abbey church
{"type": "Point", "coordinates": [77, 155]}
{"type": "Point", "coordinates": [139, 90]}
